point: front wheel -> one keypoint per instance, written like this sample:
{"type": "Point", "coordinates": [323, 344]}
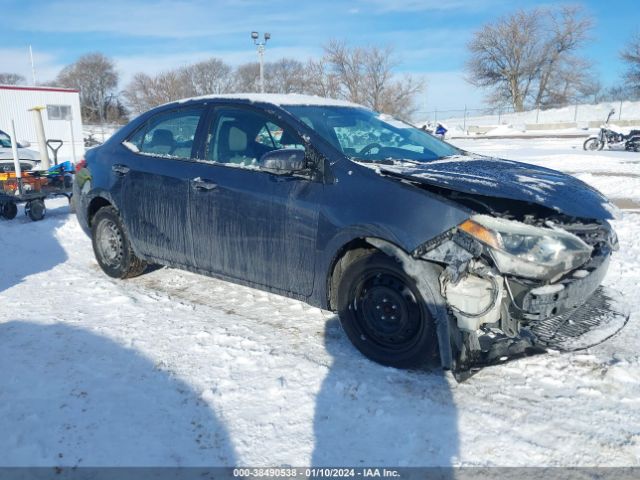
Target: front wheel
{"type": "Point", "coordinates": [111, 246]}
{"type": "Point", "coordinates": [384, 314]}
{"type": "Point", "coordinates": [9, 210]}
{"type": "Point", "coordinates": [592, 144]}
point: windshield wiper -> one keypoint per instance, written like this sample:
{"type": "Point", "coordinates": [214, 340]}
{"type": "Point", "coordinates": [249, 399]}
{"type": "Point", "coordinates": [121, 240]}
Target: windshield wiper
{"type": "Point", "coordinates": [383, 161]}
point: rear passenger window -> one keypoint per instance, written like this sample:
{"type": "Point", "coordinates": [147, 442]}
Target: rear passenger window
{"type": "Point", "coordinates": [170, 134]}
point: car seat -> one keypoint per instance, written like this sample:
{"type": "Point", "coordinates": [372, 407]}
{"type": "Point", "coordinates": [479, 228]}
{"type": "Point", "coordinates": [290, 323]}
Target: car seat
{"type": "Point", "coordinates": [162, 142]}
{"type": "Point", "coordinates": [233, 145]}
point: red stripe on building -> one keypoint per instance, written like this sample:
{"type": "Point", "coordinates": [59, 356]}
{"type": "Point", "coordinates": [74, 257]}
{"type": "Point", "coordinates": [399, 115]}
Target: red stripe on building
{"type": "Point", "coordinates": [39, 89]}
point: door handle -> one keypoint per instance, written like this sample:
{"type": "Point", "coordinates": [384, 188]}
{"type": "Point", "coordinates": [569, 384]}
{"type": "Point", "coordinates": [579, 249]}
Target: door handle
{"type": "Point", "coordinates": [120, 169]}
{"type": "Point", "coordinates": [200, 184]}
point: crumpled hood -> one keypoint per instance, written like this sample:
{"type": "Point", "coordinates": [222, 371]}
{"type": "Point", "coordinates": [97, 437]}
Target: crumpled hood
{"type": "Point", "coordinates": [506, 179]}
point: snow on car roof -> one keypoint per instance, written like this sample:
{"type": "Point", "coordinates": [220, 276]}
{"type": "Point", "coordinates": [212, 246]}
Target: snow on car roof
{"type": "Point", "coordinates": [276, 99]}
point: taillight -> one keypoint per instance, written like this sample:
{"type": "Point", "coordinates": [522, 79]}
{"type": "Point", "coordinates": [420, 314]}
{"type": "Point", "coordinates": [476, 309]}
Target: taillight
{"type": "Point", "coordinates": [81, 164]}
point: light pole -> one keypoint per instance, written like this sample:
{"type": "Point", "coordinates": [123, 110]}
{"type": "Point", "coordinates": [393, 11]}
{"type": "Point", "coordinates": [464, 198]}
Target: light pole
{"type": "Point", "coordinates": [260, 47]}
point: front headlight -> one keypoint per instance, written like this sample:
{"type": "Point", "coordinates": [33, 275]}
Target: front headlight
{"type": "Point", "coordinates": [528, 251]}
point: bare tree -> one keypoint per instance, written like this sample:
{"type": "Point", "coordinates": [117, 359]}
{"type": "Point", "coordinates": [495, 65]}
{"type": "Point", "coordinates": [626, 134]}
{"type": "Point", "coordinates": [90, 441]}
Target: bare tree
{"type": "Point", "coordinates": [247, 78]}
{"type": "Point", "coordinates": [522, 55]}
{"type": "Point", "coordinates": [286, 75]}
{"type": "Point", "coordinates": [366, 76]}
{"type": "Point", "coordinates": [319, 80]}
{"type": "Point", "coordinates": [12, 79]}
{"type": "Point", "coordinates": [96, 77]}
{"type": "Point", "coordinates": [208, 77]}
{"type": "Point", "coordinates": [348, 65]}
{"type": "Point", "coordinates": [568, 30]}
{"type": "Point", "coordinates": [145, 92]}
{"type": "Point", "coordinates": [631, 56]}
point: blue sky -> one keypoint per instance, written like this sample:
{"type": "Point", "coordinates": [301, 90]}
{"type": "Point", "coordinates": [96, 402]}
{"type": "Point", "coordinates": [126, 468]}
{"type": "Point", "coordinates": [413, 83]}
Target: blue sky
{"type": "Point", "coordinates": [429, 36]}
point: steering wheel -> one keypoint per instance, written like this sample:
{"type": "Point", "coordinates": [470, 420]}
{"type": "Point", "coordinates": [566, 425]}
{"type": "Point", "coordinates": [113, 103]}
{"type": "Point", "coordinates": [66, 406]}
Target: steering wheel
{"type": "Point", "coordinates": [367, 148]}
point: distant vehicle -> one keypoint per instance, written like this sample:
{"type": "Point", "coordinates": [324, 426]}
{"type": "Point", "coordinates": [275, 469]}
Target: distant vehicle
{"type": "Point", "coordinates": [29, 158]}
{"type": "Point", "coordinates": [421, 248]}
{"type": "Point", "coordinates": [91, 141]}
{"type": "Point", "coordinates": [613, 136]}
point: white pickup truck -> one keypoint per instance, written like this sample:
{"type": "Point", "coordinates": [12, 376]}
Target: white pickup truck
{"type": "Point", "coordinates": [29, 159]}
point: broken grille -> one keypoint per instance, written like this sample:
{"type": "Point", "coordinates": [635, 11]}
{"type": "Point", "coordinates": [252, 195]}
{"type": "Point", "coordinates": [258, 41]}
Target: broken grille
{"type": "Point", "coordinates": [601, 317]}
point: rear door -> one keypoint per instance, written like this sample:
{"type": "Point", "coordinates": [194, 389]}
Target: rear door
{"type": "Point", "coordinates": [156, 174]}
{"type": "Point", "coordinates": [247, 223]}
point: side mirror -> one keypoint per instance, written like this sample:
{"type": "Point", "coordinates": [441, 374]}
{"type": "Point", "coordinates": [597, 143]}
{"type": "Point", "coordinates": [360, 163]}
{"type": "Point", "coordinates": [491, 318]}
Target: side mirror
{"type": "Point", "coordinates": [283, 161]}
{"type": "Point", "coordinates": [24, 144]}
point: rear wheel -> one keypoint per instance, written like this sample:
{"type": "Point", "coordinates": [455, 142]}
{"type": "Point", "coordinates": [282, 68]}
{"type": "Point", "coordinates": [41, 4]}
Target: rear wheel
{"type": "Point", "coordinates": [593, 144]}
{"type": "Point", "coordinates": [112, 247]}
{"type": "Point", "coordinates": [35, 209]}
{"type": "Point", "coordinates": [384, 314]}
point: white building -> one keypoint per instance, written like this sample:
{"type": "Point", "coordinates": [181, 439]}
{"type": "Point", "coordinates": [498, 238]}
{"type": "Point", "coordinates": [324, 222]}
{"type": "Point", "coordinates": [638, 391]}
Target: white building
{"type": "Point", "coordinates": [61, 116]}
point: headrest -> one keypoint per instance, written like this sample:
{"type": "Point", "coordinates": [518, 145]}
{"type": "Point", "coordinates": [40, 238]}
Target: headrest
{"type": "Point", "coordinates": [289, 138]}
{"type": "Point", "coordinates": [162, 136]}
{"type": "Point", "coordinates": [237, 140]}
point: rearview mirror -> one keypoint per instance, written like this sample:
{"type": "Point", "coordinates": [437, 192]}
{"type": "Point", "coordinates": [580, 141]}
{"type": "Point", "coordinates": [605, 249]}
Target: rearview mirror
{"type": "Point", "coordinates": [283, 161]}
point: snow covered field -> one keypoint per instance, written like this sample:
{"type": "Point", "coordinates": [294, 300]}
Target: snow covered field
{"type": "Point", "coordinates": [581, 114]}
{"type": "Point", "coordinates": [173, 368]}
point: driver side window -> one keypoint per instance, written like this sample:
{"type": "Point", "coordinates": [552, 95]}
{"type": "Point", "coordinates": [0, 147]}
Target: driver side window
{"type": "Point", "coordinates": [239, 138]}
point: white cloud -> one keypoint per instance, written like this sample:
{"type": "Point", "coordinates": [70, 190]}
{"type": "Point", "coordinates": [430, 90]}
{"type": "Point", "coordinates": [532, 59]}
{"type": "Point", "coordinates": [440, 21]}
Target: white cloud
{"type": "Point", "coordinates": [162, 19]}
{"type": "Point", "coordinates": [16, 60]}
{"type": "Point", "coordinates": [386, 6]}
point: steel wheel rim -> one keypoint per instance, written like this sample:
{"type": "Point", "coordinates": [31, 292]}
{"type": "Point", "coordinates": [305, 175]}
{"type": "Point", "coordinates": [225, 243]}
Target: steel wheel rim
{"type": "Point", "coordinates": [109, 242]}
{"type": "Point", "coordinates": [387, 311]}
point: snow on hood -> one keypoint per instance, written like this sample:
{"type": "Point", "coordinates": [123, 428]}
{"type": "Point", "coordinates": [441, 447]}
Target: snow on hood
{"type": "Point", "coordinates": [506, 179]}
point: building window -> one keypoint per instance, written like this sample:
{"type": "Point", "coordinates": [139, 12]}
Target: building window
{"type": "Point", "coordinates": [59, 112]}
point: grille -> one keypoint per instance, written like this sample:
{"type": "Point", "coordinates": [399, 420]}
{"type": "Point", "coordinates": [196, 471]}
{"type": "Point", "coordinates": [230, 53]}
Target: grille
{"type": "Point", "coordinates": [600, 318]}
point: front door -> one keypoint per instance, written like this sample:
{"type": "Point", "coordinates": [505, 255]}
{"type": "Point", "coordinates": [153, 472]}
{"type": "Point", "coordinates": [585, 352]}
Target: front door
{"type": "Point", "coordinates": [248, 223]}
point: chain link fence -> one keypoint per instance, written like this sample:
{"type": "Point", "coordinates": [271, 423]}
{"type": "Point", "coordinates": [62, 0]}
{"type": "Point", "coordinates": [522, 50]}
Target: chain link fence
{"type": "Point", "coordinates": [569, 116]}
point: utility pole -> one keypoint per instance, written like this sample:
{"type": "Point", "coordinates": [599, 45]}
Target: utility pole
{"type": "Point", "coordinates": [260, 46]}
{"type": "Point", "coordinates": [33, 66]}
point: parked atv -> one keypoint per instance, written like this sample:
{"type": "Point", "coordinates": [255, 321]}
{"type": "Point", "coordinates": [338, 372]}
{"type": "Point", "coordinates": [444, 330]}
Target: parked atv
{"type": "Point", "coordinates": [613, 136]}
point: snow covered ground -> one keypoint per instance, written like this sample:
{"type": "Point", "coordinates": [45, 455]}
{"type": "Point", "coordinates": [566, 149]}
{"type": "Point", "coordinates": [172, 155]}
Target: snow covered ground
{"type": "Point", "coordinates": [173, 368]}
{"type": "Point", "coordinates": [581, 114]}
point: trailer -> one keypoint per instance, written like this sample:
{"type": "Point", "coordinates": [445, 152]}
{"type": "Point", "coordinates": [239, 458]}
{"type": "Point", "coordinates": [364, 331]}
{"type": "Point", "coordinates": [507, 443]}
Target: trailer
{"type": "Point", "coordinates": [33, 188]}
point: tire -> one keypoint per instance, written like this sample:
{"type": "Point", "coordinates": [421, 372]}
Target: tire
{"type": "Point", "coordinates": [112, 247]}
{"type": "Point", "coordinates": [384, 314]}
{"type": "Point", "coordinates": [9, 210]}
{"type": "Point", "coordinates": [592, 144]}
{"type": "Point", "coordinates": [35, 209]}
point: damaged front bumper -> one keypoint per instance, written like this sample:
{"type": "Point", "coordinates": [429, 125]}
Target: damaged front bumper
{"type": "Point", "coordinates": [498, 316]}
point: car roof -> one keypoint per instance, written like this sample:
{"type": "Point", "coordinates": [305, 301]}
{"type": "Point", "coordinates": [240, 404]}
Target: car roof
{"type": "Point", "coordinates": [273, 99]}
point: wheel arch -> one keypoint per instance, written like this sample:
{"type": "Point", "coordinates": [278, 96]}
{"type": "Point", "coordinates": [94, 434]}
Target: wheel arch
{"type": "Point", "coordinates": [348, 253]}
{"type": "Point", "coordinates": [95, 204]}
{"type": "Point", "coordinates": [446, 330]}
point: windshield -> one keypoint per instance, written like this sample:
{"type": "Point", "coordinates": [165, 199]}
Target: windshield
{"type": "Point", "coordinates": [5, 140]}
{"type": "Point", "coordinates": [367, 136]}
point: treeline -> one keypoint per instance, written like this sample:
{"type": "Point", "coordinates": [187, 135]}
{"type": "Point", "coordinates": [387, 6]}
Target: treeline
{"type": "Point", "coordinates": [362, 75]}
